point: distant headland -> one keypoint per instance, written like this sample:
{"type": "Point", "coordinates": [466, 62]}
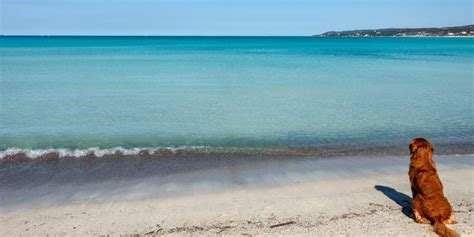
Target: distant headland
{"type": "Point", "coordinates": [453, 31]}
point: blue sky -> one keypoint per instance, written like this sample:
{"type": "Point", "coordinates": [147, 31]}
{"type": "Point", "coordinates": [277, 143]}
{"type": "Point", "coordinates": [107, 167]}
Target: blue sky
{"type": "Point", "coordinates": [224, 17]}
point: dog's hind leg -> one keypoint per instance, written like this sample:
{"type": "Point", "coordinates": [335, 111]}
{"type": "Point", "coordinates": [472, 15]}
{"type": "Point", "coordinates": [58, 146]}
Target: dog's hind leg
{"type": "Point", "coordinates": [417, 212]}
{"type": "Point", "coordinates": [450, 220]}
{"type": "Point", "coordinates": [420, 219]}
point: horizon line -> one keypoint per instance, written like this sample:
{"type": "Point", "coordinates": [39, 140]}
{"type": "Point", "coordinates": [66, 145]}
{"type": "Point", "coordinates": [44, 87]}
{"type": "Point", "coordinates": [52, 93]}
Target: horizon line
{"type": "Point", "coordinates": [145, 35]}
{"type": "Point", "coordinates": [133, 35]}
{"type": "Point", "coordinates": [212, 35]}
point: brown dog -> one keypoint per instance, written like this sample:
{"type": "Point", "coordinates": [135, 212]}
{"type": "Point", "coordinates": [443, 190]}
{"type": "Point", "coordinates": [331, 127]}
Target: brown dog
{"type": "Point", "coordinates": [429, 204]}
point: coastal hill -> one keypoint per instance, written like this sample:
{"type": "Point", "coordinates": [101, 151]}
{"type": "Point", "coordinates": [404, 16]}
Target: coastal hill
{"type": "Point", "coordinates": [467, 30]}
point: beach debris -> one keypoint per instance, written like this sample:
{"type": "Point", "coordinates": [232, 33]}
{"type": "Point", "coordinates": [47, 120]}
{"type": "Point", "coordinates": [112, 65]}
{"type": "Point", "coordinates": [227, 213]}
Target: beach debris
{"type": "Point", "coordinates": [283, 224]}
{"type": "Point", "coordinates": [223, 229]}
{"type": "Point", "coordinates": [153, 232]}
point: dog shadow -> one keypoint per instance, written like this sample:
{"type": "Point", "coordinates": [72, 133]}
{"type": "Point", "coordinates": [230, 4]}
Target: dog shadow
{"type": "Point", "coordinates": [399, 198]}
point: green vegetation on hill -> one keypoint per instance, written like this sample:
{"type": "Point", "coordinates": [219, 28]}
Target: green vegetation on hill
{"type": "Point", "coordinates": [467, 30]}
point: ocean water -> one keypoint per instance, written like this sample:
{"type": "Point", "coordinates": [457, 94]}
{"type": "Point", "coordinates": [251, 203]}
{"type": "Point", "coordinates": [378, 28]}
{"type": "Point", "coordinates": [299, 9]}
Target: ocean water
{"type": "Point", "coordinates": [234, 95]}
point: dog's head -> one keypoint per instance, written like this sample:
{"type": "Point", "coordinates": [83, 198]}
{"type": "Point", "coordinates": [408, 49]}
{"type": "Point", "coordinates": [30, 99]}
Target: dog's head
{"type": "Point", "coordinates": [418, 143]}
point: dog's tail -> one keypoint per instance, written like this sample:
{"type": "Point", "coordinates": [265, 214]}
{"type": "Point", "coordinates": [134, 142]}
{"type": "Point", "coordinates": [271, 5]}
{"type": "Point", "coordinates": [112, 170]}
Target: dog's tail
{"type": "Point", "coordinates": [441, 229]}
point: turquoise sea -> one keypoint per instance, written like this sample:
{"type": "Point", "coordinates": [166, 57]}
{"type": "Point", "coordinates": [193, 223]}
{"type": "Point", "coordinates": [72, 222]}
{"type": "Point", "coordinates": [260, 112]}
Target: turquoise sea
{"type": "Point", "coordinates": [234, 95]}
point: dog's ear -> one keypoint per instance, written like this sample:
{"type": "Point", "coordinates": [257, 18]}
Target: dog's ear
{"type": "Point", "coordinates": [430, 146]}
{"type": "Point", "coordinates": [412, 148]}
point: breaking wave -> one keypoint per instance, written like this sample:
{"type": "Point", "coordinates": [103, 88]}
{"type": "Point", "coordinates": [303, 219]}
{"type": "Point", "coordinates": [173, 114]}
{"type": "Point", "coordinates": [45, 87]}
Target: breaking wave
{"type": "Point", "coordinates": [211, 151]}
{"type": "Point", "coordinates": [96, 152]}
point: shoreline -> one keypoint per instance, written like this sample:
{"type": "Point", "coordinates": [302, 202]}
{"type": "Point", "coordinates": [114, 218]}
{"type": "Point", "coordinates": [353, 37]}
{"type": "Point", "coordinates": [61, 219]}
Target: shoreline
{"type": "Point", "coordinates": [368, 149]}
{"type": "Point", "coordinates": [328, 196]}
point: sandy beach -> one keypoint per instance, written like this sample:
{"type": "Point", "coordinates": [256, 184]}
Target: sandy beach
{"type": "Point", "coordinates": [355, 196]}
{"type": "Point", "coordinates": [236, 118]}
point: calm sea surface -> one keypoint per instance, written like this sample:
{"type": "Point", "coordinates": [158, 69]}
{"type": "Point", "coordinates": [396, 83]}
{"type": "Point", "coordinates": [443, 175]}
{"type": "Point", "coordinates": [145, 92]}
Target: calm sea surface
{"type": "Point", "coordinates": [240, 94]}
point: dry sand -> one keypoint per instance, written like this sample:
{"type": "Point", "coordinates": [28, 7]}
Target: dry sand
{"type": "Point", "coordinates": [368, 200]}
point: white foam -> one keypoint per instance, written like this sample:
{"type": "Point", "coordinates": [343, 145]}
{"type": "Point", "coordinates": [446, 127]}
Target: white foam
{"type": "Point", "coordinates": [98, 152]}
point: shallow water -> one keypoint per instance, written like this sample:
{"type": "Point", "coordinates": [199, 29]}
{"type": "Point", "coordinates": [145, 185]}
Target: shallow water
{"type": "Point", "coordinates": [76, 95]}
